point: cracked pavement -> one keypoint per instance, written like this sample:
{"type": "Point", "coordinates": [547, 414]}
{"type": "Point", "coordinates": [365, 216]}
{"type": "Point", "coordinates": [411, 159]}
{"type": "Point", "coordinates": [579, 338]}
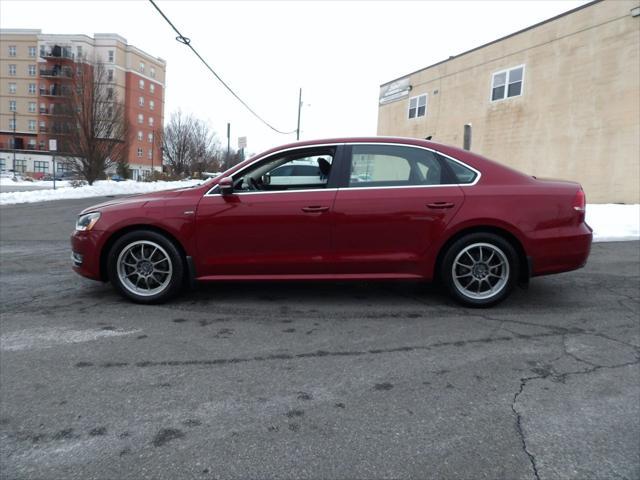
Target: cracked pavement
{"type": "Point", "coordinates": [312, 380]}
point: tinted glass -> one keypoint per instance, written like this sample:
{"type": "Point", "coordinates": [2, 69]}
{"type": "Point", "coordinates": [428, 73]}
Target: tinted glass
{"type": "Point", "coordinates": [497, 93]}
{"type": "Point", "coordinates": [515, 75]}
{"type": "Point", "coordinates": [500, 79]}
{"type": "Point", "coordinates": [462, 173]}
{"type": "Point", "coordinates": [514, 89]}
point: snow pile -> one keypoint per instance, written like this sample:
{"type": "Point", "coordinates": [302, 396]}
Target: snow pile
{"type": "Point", "coordinates": [612, 222]}
{"type": "Point", "coordinates": [98, 189]}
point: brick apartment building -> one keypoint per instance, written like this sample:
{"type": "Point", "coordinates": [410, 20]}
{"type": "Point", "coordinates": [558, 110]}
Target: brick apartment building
{"type": "Point", "coordinates": [559, 99]}
{"type": "Point", "coordinates": [35, 73]}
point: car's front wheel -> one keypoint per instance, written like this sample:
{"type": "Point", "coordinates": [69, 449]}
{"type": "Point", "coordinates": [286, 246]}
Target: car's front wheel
{"type": "Point", "coordinates": [480, 269]}
{"type": "Point", "coordinates": [145, 267]}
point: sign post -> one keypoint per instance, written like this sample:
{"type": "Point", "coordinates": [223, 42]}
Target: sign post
{"type": "Point", "coordinates": [242, 144]}
{"type": "Point", "coordinates": [53, 146]}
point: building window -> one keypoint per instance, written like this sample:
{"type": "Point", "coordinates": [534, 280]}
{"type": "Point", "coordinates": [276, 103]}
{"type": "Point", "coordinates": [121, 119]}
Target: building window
{"type": "Point", "coordinates": [139, 153]}
{"type": "Point", "coordinates": [43, 108]}
{"type": "Point", "coordinates": [150, 154]}
{"type": "Point", "coordinates": [12, 105]}
{"type": "Point", "coordinates": [152, 105]}
{"type": "Point", "coordinates": [152, 88]}
{"type": "Point", "coordinates": [150, 137]}
{"type": "Point", "coordinates": [141, 101]}
{"type": "Point", "coordinates": [12, 50]}
{"type": "Point", "coordinates": [112, 56]}
{"type": "Point", "coordinates": [109, 75]}
{"type": "Point", "coordinates": [79, 52]}
{"type": "Point", "coordinates": [151, 121]}
{"type": "Point", "coordinates": [507, 83]}
{"type": "Point", "coordinates": [12, 69]}
{"type": "Point", "coordinates": [141, 67]}
{"type": "Point", "coordinates": [32, 70]}
{"type": "Point", "coordinates": [12, 88]}
{"type": "Point", "coordinates": [32, 125]}
{"type": "Point", "coordinates": [12, 124]}
{"type": "Point", "coordinates": [152, 72]}
{"type": "Point", "coordinates": [140, 118]}
{"type": "Point", "coordinates": [3, 166]}
{"type": "Point", "coordinates": [140, 135]}
{"type": "Point", "coordinates": [109, 93]}
{"type": "Point", "coordinates": [418, 106]}
{"type": "Point", "coordinates": [20, 166]}
{"type": "Point", "coordinates": [40, 166]}
{"type": "Point", "coordinates": [32, 88]}
{"type": "Point", "coordinates": [141, 84]}
{"type": "Point", "coordinates": [32, 107]}
{"type": "Point", "coordinates": [32, 144]}
{"type": "Point", "coordinates": [32, 51]}
{"type": "Point", "coordinates": [41, 143]}
{"type": "Point", "coordinates": [43, 126]}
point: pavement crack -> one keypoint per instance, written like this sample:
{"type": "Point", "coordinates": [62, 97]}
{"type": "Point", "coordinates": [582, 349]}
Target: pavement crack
{"type": "Point", "coordinates": [520, 429]}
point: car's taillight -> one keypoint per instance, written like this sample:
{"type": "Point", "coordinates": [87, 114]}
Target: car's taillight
{"type": "Point", "coordinates": [580, 204]}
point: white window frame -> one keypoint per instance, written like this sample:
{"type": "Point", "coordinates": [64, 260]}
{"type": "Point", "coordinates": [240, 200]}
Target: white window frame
{"type": "Point", "coordinates": [141, 84]}
{"type": "Point", "coordinates": [140, 119]}
{"type": "Point", "coordinates": [32, 88]}
{"type": "Point", "coordinates": [152, 87]}
{"type": "Point", "coordinates": [111, 55]}
{"type": "Point", "coordinates": [152, 72]}
{"type": "Point", "coordinates": [13, 106]}
{"type": "Point", "coordinates": [33, 107]}
{"type": "Point", "coordinates": [506, 85]}
{"type": "Point", "coordinates": [150, 137]}
{"type": "Point", "coordinates": [141, 101]}
{"type": "Point", "coordinates": [152, 105]}
{"type": "Point", "coordinates": [141, 67]}
{"type": "Point", "coordinates": [151, 121]}
{"type": "Point", "coordinates": [417, 97]}
{"type": "Point", "coordinates": [31, 125]}
{"type": "Point", "coordinates": [139, 152]}
{"type": "Point", "coordinates": [13, 124]}
{"type": "Point", "coordinates": [31, 70]}
{"type": "Point", "coordinates": [149, 154]}
{"type": "Point", "coordinates": [33, 51]}
{"type": "Point", "coordinates": [12, 50]}
{"type": "Point", "coordinates": [13, 69]}
{"type": "Point", "coordinates": [12, 87]}
{"type": "Point", "coordinates": [140, 135]}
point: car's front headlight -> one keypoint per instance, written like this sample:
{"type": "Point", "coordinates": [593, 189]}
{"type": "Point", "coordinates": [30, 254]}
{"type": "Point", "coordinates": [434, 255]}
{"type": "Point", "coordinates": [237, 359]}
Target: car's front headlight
{"type": "Point", "coordinates": [87, 221]}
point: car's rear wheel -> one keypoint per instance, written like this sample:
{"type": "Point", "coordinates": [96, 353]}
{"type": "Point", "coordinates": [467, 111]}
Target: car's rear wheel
{"type": "Point", "coordinates": [145, 267]}
{"type": "Point", "coordinates": [480, 269]}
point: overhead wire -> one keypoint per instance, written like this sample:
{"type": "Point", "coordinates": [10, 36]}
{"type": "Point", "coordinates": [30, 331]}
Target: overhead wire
{"type": "Point", "coordinates": [187, 41]}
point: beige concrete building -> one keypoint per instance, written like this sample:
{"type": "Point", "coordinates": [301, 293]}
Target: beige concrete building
{"type": "Point", "coordinates": [35, 70]}
{"type": "Point", "coordinates": [559, 99]}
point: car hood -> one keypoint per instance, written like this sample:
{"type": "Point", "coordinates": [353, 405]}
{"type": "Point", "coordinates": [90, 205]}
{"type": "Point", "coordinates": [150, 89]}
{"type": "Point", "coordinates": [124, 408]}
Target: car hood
{"type": "Point", "coordinates": [138, 199]}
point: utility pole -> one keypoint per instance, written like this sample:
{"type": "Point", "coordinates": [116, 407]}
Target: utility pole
{"type": "Point", "coordinates": [228, 146]}
{"type": "Point", "coordinates": [153, 146]}
{"type": "Point", "coordinates": [14, 144]}
{"type": "Point", "coordinates": [299, 109]}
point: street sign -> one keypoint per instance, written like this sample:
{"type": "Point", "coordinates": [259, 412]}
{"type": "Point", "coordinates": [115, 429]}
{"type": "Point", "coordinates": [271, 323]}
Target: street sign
{"type": "Point", "coordinates": [53, 145]}
{"type": "Point", "coordinates": [242, 143]}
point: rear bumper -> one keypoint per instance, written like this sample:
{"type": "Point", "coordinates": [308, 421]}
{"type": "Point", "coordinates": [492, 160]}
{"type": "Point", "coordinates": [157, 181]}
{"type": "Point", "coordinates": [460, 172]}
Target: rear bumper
{"type": "Point", "coordinates": [560, 251]}
{"type": "Point", "coordinates": [85, 254]}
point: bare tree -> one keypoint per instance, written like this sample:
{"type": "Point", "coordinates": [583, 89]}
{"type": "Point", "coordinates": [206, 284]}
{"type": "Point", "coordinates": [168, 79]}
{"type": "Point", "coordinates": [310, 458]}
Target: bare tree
{"type": "Point", "coordinates": [90, 121]}
{"type": "Point", "coordinates": [189, 145]}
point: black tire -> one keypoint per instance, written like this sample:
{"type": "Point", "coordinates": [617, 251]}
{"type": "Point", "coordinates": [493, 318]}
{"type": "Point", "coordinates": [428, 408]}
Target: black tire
{"type": "Point", "coordinates": [168, 285]}
{"type": "Point", "coordinates": [477, 245]}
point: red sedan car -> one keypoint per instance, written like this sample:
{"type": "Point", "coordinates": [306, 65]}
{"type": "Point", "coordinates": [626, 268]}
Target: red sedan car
{"type": "Point", "coordinates": [350, 208]}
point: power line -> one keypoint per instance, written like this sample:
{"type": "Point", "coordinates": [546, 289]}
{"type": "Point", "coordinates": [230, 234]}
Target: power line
{"type": "Point", "coordinates": [187, 41]}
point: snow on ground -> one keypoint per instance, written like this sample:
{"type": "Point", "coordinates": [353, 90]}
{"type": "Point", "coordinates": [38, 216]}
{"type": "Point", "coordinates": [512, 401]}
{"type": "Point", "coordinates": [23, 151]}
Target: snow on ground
{"type": "Point", "coordinates": [610, 222]}
{"type": "Point", "coordinates": [613, 222]}
{"type": "Point", "coordinates": [98, 189]}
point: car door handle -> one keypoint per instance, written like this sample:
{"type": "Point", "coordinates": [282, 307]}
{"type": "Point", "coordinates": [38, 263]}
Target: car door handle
{"type": "Point", "coordinates": [315, 209]}
{"type": "Point", "coordinates": [438, 205]}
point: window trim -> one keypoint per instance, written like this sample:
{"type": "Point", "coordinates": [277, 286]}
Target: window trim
{"type": "Point", "coordinates": [506, 85]}
{"type": "Point", "coordinates": [417, 97]}
{"type": "Point", "coordinates": [341, 159]}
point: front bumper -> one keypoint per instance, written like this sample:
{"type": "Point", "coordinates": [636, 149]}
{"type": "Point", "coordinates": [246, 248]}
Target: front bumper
{"type": "Point", "coordinates": [85, 253]}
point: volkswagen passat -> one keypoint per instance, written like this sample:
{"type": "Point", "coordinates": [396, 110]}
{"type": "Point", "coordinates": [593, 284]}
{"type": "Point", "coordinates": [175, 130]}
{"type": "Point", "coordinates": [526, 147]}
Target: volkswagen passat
{"type": "Point", "coordinates": [363, 208]}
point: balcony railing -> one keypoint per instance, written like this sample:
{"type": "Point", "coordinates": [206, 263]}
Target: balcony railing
{"type": "Point", "coordinates": [56, 73]}
{"type": "Point", "coordinates": [57, 52]}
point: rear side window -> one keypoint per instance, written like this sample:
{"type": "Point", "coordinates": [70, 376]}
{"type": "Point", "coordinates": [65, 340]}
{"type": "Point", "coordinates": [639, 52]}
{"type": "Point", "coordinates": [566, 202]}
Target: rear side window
{"type": "Point", "coordinates": [391, 166]}
{"type": "Point", "coordinates": [463, 174]}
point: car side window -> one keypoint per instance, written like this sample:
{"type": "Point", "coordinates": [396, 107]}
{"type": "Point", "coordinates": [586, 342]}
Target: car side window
{"type": "Point", "coordinates": [463, 174]}
{"type": "Point", "coordinates": [392, 165]}
{"type": "Point", "coordinates": [309, 170]}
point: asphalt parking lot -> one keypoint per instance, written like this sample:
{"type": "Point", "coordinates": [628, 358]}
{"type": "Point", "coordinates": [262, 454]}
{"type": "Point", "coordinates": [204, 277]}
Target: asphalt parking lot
{"type": "Point", "coordinates": [312, 380]}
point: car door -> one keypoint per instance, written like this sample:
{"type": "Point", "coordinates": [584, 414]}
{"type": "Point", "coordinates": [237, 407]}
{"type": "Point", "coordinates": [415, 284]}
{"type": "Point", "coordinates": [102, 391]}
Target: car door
{"type": "Point", "coordinates": [395, 202]}
{"type": "Point", "coordinates": [274, 230]}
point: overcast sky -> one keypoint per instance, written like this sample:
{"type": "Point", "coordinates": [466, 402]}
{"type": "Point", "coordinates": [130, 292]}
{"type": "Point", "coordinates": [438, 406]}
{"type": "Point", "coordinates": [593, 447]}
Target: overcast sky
{"type": "Point", "coordinates": [338, 52]}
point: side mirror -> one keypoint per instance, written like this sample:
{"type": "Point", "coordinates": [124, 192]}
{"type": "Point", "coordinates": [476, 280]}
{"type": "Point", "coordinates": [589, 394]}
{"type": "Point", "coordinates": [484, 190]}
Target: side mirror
{"type": "Point", "coordinates": [226, 185]}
